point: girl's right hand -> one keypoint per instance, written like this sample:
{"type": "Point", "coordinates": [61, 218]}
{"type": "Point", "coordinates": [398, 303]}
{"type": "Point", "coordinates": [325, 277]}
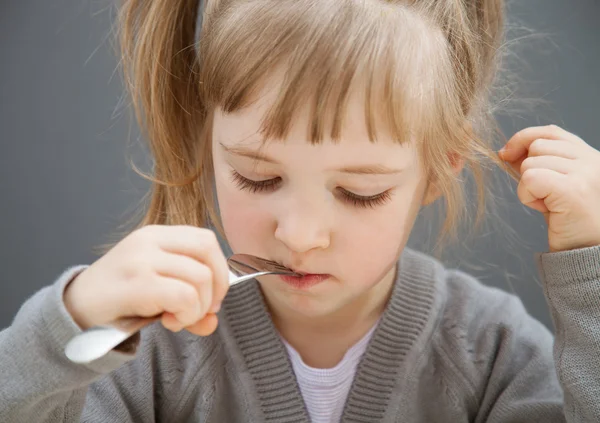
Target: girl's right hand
{"type": "Point", "coordinates": [178, 272]}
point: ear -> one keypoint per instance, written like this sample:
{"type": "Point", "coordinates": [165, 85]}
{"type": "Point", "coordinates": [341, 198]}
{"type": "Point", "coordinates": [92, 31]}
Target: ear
{"type": "Point", "coordinates": [457, 163]}
{"type": "Point", "coordinates": [433, 192]}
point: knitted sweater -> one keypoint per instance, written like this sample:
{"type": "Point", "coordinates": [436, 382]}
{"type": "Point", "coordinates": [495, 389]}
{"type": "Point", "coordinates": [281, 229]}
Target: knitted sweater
{"type": "Point", "coordinates": [447, 349]}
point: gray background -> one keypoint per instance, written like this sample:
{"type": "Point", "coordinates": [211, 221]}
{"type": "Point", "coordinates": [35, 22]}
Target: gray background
{"type": "Point", "coordinates": [65, 181]}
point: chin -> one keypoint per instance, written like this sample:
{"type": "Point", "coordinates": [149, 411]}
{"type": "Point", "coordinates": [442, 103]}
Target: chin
{"type": "Point", "coordinates": [308, 303]}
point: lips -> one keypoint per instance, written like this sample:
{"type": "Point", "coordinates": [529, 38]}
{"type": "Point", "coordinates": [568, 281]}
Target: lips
{"type": "Point", "coordinates": [305, 281]}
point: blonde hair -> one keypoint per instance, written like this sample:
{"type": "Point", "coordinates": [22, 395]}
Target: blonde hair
{"type": "Point", "coordinates": [425, 68]}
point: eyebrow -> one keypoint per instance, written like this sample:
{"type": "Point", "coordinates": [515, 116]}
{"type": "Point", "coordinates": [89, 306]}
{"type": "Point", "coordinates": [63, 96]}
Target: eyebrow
{"type": "Point", "coordinates": [246, 152]}
{"type": "Point", "coordinates": [372, 169]}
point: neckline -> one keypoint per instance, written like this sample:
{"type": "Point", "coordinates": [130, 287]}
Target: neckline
{"type": "Point", "coordinates": [402, 325]}
{"type": "Point", "coordinates": [332, 376]}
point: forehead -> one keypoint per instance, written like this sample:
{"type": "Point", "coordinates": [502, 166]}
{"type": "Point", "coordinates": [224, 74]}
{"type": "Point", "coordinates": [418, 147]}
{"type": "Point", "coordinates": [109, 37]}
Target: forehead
{"type": "Point", "coordinates": [242, 131]}
{"type": "Point", "coordinates": [245, 128]}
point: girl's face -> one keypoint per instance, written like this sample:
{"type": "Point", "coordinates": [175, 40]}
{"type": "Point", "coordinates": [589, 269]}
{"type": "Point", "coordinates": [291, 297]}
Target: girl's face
{"type": "Point", "coordinates": [344, 210]}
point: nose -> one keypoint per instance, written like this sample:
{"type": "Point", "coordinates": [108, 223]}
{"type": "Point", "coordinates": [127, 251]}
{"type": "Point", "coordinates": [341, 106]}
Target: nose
{"type": "Point", "coordinates": [304, 228]}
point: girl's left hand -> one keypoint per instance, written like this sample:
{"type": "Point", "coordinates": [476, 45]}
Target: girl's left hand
{"type": "Point", "coordinates": [560, 177]}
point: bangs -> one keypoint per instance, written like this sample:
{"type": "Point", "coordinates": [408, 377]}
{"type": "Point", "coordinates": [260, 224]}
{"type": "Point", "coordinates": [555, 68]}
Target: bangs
{"type": "Point", "coordinates": [392, 59]}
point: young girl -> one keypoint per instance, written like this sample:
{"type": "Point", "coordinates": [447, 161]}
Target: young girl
{"type": "Point", "coordinates": [323, 127]}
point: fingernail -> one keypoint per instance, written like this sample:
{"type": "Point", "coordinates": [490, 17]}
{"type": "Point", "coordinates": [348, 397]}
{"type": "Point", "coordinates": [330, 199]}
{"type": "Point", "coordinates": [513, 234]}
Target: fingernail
{"type": "Point", "coordinates": [215, 308]}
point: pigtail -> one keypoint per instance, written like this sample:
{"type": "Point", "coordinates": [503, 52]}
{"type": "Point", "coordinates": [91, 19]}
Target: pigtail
{"type": "Point", "coordinates": [474, 31]}
{"type": "Point", "coordinates": [161, 67]}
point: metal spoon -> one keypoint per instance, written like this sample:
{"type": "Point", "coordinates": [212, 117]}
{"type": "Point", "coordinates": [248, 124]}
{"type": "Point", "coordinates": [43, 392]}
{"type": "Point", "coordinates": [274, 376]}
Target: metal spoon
{"type": "Point", "coordinates": [97, 341]}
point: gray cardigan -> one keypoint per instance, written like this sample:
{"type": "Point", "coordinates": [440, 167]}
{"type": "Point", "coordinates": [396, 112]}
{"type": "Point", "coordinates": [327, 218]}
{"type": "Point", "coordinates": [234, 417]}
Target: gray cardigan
{"type": "Point", "coordinates": [447, 349]}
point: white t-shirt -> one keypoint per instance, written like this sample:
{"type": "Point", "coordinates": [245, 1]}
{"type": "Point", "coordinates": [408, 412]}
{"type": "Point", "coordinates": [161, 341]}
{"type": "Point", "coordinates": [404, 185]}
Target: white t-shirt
{"type": "Point", "coordinates": [325, 390]}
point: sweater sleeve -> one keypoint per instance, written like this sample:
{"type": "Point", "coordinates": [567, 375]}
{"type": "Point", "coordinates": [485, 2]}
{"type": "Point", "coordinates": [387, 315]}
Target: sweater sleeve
{"type": "Point", "coordinates": [40, 384]}
{"type": "Point", "coordinates": [572, 287]}
{"type": "Point", "coordinates": [531, 376]}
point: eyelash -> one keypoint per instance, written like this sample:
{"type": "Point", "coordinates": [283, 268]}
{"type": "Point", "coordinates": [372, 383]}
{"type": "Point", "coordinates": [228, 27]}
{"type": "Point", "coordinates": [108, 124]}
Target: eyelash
{"type": "Point", "coordinates": [270, 185]}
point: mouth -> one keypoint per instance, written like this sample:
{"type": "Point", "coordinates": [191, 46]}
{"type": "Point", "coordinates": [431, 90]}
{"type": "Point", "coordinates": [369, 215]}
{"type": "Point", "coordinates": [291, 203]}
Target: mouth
{"type": "Point", "coordinates": [305, 280]}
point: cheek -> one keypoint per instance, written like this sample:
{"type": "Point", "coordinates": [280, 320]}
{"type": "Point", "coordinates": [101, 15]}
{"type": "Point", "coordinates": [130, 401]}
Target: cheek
{"type": "Point", "coordinates": [371, 246]}
{"type": "Point", "coordinates": [245, 223]}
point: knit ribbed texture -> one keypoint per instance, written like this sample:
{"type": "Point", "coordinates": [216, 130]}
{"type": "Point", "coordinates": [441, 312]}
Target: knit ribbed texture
{"type": "Point", "coordinates": [566, 267]}
{"type": "Point", "coordinates": [572, 282]}
{"type": "Point", "coordinates": [325, 390]}
{"type": "Point", "coordinates": [399, 330]}
{"type": "Point", "coordinates": [264, 354]}
{"type": "Point", "coordinates": [446, 349]}
{"type": "Point", "coordinates": [382, 366]}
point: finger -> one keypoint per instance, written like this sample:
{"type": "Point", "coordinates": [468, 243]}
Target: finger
{"type": "Point", "coordinates": [539, 189]}
{"type": "Point", "coordinates": [205, 326]}
{"type": "Point", "coordinates": [203, 245]}
{"type": "Point", "coordinates": [169, 321]}
{"type": "Point", "coordinates": [519, 144]}
{"type": "Point", "coordinates": [547, 147]}
{"type": "Point", "coordinates": [557, 164]}
{"type": "Point", "coordinates": [530, 200]}
{"type": "Point", "coordinates": [191, 271]}
{"type": "Point", "coordinates": [169, 295]}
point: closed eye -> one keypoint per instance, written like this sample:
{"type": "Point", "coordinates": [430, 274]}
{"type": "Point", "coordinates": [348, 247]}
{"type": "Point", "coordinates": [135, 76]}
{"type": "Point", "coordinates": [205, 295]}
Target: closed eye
{"type": "Point", "coordinates": [255, 186]}
{"type": "Point", "coordinates": [370, 201]}
{"type": "Point", "coordinates": [348, 197]}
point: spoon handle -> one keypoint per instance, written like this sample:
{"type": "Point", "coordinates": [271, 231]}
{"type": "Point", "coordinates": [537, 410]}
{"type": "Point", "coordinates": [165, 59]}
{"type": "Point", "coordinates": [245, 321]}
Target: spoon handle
{"type": "Point", "coordinates": [97, 341]}
{"type": "Point", "coordinates": [131, 325]}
